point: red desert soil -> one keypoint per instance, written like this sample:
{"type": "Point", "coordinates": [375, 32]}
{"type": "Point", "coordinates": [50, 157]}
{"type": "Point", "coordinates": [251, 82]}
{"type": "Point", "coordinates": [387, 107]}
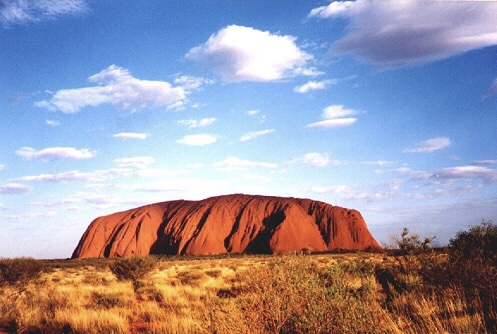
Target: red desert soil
{"type": "Point", "coordinates": [226, 224]}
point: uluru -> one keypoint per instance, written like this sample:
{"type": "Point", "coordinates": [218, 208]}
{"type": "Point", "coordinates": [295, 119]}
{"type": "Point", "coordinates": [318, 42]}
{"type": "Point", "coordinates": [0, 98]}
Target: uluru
{"type": "Point", "coordinates": [226, 224]}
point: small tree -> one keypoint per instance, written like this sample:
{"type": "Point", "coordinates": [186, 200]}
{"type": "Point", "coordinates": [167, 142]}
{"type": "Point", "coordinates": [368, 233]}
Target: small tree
{"type": "Point", "coordinates": [410, 243]}
{"type": "Point", "coordinates": [133, 268]}
{"type": "Point", "coordinates": [472, 262]}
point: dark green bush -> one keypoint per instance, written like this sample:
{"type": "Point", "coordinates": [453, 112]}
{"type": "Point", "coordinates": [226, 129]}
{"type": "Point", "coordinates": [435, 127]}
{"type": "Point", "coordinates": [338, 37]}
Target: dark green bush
{"type": "Point", "coordinates": [133, 268]}
{"type": "Point", "coordinates": [19, 271]}
{"type": "Point", "coordinates": [472, 263]}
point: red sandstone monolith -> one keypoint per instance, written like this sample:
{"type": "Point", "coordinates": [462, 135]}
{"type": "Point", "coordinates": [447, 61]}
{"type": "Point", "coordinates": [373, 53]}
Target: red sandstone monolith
{"type": "Point", "coordinates": [226, 224]}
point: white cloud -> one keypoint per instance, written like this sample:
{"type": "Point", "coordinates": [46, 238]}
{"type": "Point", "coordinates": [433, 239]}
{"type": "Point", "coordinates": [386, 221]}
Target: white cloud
{"type": "Point", "coordinates": [485, 162]}
{"type": "Point", "coordinates": [393, 33]}
{"type": "Point", "coordinates": [468, 172]}
{"type": "Point", "coordinates": [2, 167]}
{"type": "Point", "coordinates": [315, 159]}
{"type": "Point", "coordinates": [256, 134]}
{"type": "Point", "coordinates": [21, 11]}
{"type": "Point", "coordinates": [131, 135]}
{"type": "Point", "coordinates": [135, 162]}
{"type": "Point", "coordinates": [14, 189]}
{"type": "Point", "coordinates": [191, 82]}
{"type": "Point", "coordinates": [240, 53]}
{"type": "Point", "coordinates": [336, 111]}
{"type": "Point", "coordinates": [334, 117]}
{"type": "Point", "coordinates": [335, 8]}
{"type": "Point", "coordinates": [332, 123]}
{"type": "Point", "coordinates": [430, 145]}
{"type": "Point", "coordinates": [253, 112]}
{"type": "Point", "coordinates": [116, 86]}
{"type": "Point", "coordinates": [197, 140]}
{"type": "Point", "coordinates": [235, 163]}
{"type": "Point", "coordinates": [197, 123]}
{"type": "Point", "coordinates": [66, 177]}
{"type": "Point", "coordinates": [51, 122]}
{"type": "Point", "coordinates": [55, 153]}
{"type": "Point", "coordinates": [312, 85]}
{"type": "Point", "coordinates": [355, 193]}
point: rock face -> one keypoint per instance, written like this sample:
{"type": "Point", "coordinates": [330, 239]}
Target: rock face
{"type": "Point", "coordinates": [226, 224]}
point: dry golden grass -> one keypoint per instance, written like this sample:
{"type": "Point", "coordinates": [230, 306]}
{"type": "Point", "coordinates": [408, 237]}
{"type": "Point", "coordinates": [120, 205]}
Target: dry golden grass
{"type": "Point", "coordinates": [329, 293]}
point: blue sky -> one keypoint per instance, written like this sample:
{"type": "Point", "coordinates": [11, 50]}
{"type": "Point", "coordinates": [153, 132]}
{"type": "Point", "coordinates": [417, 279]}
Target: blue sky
{"type": "Point", "coordinates": [388, 107]}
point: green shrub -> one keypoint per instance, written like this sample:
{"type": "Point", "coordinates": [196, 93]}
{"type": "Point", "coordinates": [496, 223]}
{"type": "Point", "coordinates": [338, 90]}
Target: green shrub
{"type": "Point", "coordinates": [107, 301]}
{"type": "Point", "coordinates": [409, 243]}
{"type": "Point", "coordinates": [295, 296]}
{"type": "Point", "coordinates": [133, 268]}
{"type": "Point", "coordinates": [19, 271]}
{"type": "Point", "coordinates": [472, 262]}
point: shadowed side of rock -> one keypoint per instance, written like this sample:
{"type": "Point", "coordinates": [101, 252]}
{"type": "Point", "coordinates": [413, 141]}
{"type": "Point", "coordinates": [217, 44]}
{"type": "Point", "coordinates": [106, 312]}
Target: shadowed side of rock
{"type": "Point", "coordinates": [226, 224]}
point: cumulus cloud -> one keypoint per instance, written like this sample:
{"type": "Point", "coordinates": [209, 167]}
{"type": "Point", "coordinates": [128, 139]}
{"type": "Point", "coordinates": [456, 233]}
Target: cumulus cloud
{"type": "Point", "coordinates": [334, 117]}
{"type": "Point", "coordinates": [197, 123]}
{"type": "Point", "coordinates": [131, 135]}
{"type": "Point", "coordinates": [256, 134]}
{"type": "Point", "coordinates": [240, 53]}
{"type": "Point", "coordinates": [197, 140]}
{"type": "Point", "coordinates": [14, 12]}
{"type": "Point", "coordinates": [135, 162]}
{"type": "Point", "coordinates": [392, 33]}
{"type": "Point", "coordinates": [430, 145]}
{"type": "Point", "coordinates": [313, 85]}
{"type": "Point", "coordinates": [14, 189]}
{"type": "Point", "coordinates": [234, 163]}
{"type": "Point", "coordinates": [116, 86]}
{"type": "Point", "coordinates": [55, 153]}
{"type": "Point", "coordinates": [336, 8]}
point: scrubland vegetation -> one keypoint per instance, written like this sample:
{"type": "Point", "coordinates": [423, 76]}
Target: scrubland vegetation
{"type": "Point", "coordinates": [412, 290]}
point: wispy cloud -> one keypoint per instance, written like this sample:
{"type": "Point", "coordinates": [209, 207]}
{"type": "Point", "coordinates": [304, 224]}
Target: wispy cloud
{"type": "Point", "coordinates": [197, 123]}
{"type": "Point", "coordinates": [315, 159]}
{"type": "Point", "coordinates": [240, 53]}
{"type": "Point", "coordinates": [235, 163]}
{"type": "Point", "coordinates": [69, 176]}
{"type": "Point", "coordinates": [14, 189]}
{"type": "Point", "coordinates": [334, 117]}
{"type": "Point", "coordinates": [131, 135]}
{"type": "Point", "coordinates": [314, 85]}
{"type": "Point", "coordinates": [467, 172]}
{"type": "Point", "coordinates": [116, 86]}
{"type": "Point", "coordinates": [191, 83]}
{"type": "Point", "coordinates": [485, 162]}
{"type": "Point", "coordinates": [197, 140]}
{"type": "Point", "coordinates": [13, 12]}
{"type": "Point", "coordinates": [52, 123]}
{"type": "Point", "coordinates": [395, 34]}
{"type": "Point", "coordinates": [135, 162]}
{"type": "Point", "coordinates": [430, 145]}
{"type": "Point", "coordinates": [256, 134]}
{"type": "Point", "coordinates": [55, 153]}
